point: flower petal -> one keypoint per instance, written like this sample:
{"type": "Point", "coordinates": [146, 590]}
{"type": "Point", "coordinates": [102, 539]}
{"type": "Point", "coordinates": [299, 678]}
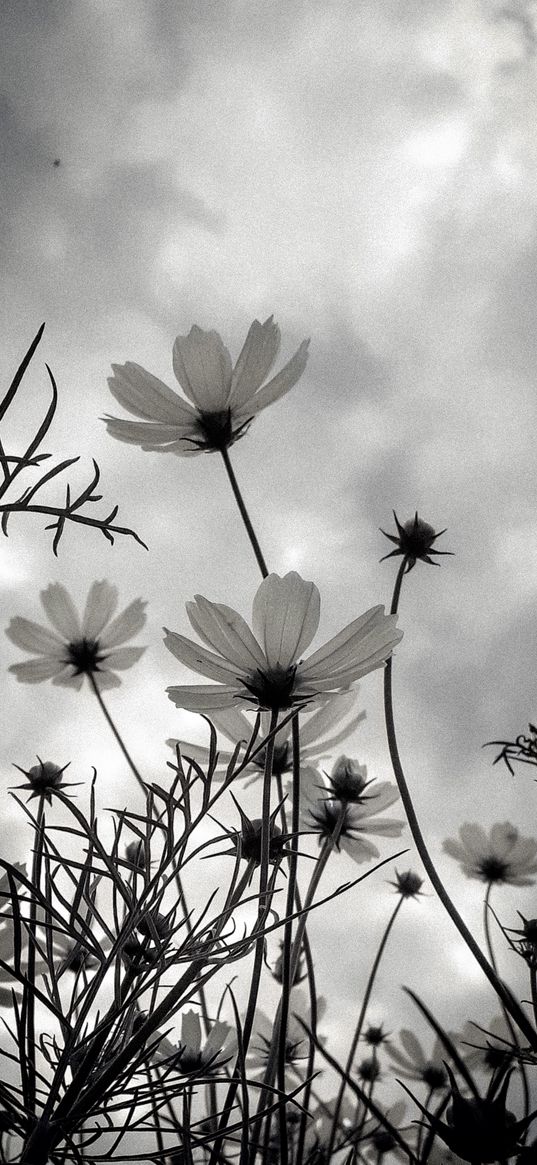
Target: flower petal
{"type": "Point", "coordinates": [152, 436]}
{"type": "Point", "coordinates": [359, 639]}
{"type": "Point", "coordinates": [258, 354]}
{"type": "Point", "coordinates": [126, 625]}
{"type": "Point", "coordinates": [34, 671]}
{"type": "Point", "coordinates": [317, 730]}
{"type": "Point", "coordinates": [202, 365]}
{"type": "Point", "coordinates": [226, 632]}
{"type": "Point", "coordinates": [206, 697]}
{"type": "Point", "coordinates": [106, 679]}
{"type": "Point", "coordinates": [68, 678]}
{"type": "Point", "coordinates": [33, 637]}
{"type": "Point", "coordinates": [191, 1031]}
{"type": "Point", "coordinates": [146, 396]}
{"type": "Point", "coordinates": [61, 611]}
{"type": "Point", "coordinates": [281, 383]}
{"type": "Point", "coordinates": [100, 606]}
{"type": "Point", "coordinates": [198, 659]}
{"type": "Point", "coordinates": [122, 658]}
{"type": "Point", "coordinates": [285, 617]}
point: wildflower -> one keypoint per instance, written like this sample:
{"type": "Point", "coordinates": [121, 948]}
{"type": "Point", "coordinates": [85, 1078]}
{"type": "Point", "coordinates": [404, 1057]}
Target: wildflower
{"type": "Point", "coordinates": [375, 1035]}
{"type": "Point", "coordinates": [481, 1129]}
{"type": "Point", "coordinates": [488, 1047]}
{"type": "Point", "coordinates": [413, 1064]}
{"type": "Point", "coordinates": [136, 854]}
{"type": "Point", "coordinates": [300, 973]}
{"type": "Point", "coordinates": [189, 1057]}
{"type": "Point", "coordinates": [369, 1070]}
{"type": "Point", "coordinates": [504, 856]}
{"type": "Point", "coordinates": [297, 1040]}
{"type": "Point", "coordinates": [408, 885]}
{"type": "Point", "coordinates": [265, 670]}
{"type": "Point", "coordinates": [225, 399]}
{"type": "Point", "coordinates": [44, 779]}
{"type": "Point", "coordinates": [320, 732]}
{"type": "Point", "coordinates": [352, 822]}
{"type": "Point", "coordinates": [247, 840]}
{"type": "Point", "coordinates": [414, 541]}
{"type": "Point", "coordinates": [78, 647]}
{"type": "Point", "coordinates": [526, 942]}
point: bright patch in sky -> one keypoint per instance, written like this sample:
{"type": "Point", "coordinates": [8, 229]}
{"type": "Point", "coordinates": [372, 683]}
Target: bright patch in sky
{"type": "Point", "coordinates": [439, 147]}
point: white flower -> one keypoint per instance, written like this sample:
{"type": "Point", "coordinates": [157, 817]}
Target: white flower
{"type": "Point", "coordinates": [413, 1064]}
{"type": "Point", "coordinates": [188, 1056]}
{"type": "Point", "coordinates": [78, 647]}
{"type": "Point", "coordinates": [296, 1041]}
{"type": "Point", "coordinates": [225, 399]}
{"type": "Point", "coordinates": [320, 732]}
{"type": "Point", "coordinates": [264, 669]}
{"type": "Point", "coordinates": [504, 856]}
{"type": "Point", "coordinates": [321, 812]}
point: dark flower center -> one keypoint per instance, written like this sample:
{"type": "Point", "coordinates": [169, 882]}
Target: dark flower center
{"type": "Point", "coordinates": [272, 689]}
{"type": "Point", "coordinates": [493, 869]}
{"type": "Point", "coordinates": [327, 814]}
{"type": "Point", "coordinates": [434, 1077]}
{"type": "Point", "coordinates": [250, 836]}
{"type": "Point", "coordinates": [217, 429]}
{"type": "Point", "coordinates": [281, 763]}
{"type": "Point", "coordinates": [85, 656]}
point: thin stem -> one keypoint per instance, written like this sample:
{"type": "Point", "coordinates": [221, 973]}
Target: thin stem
{"type": "Point", "coordinates": [287, 981]}
{"type": "Point", "coordinates": [486, 926]}
{"type": "Point", "coordinates": [360, 1023]}
{"type": "Point", "coordinates": [244, 514]}
{"type": "Point", "coordinates": [32, 936]}
{"type": "Point", "coordinates": [111, 725]}
{"type": "Point", "coordinates": [502, 991]}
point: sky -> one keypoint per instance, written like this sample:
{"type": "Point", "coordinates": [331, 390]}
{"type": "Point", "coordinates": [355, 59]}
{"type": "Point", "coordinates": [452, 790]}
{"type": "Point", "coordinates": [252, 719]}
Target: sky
{"type": "Point", "coordinates": [366, 172]}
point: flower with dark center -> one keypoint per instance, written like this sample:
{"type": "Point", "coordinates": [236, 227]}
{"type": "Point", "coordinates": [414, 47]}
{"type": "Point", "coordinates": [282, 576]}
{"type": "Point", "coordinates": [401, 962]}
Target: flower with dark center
{"type": "Point", "coordinates": [414, 540]}
{"type": "Point", "coordinates": [502, 857]}
{"type": "Point", "coordinates": [408, 885]}
{"type": "Point", "coordinates": [414, 1064]}
{"type": "Point", "coordinates": [526, 941]}
{"type": "Point", "coordinates": [44, 779]}
{"type": "Point", "coordinates": [369, 1070]}
{"type": "Point", "coordinates": [189, 1056]}
{"type": "Point", "coordinates": [78, 647]}
{"type": "Point", "coordinates": [135, 854]}
{"type": "Point", "coordinates": [481, 1130]}
{"type": "Point", "coordinates": [375, 1035]}
{"type": "Point", "coordinates": [488, 1047]}
{"type": "Point", "coordinates": [348, 781]}
{"type": "Point", "coordinates": [300, 973]}
{"type": "Point", "coordinates": [321, 730]}
{"type": "Point", "coordinates": [352, 823]}
{"type": "Point", "coordinates": [248, 840]}
{"type": "Point", "coordinates": [264, 670]}
{"type": "Point", "coordinates": [224, 399]}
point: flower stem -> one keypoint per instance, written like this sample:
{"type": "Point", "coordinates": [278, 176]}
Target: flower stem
{"type": "Point", "coordinates": [359, 1025]}
{"type": "Point", "coordinates": [502, 991]}
{"type": "Point", "coordinates": [287, 979]}
{"type": "Point", "coordinates": [506, 1016]}
{"type": "Point", "coordinates": [29, 1053]}
{"type": "Point", "coordinates": [111, 725]}
{"type": "Point", "coordinates": [244, 514]}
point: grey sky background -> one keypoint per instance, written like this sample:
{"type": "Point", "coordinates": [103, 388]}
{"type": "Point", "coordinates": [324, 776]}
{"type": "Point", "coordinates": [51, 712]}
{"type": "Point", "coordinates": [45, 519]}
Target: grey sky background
{"type": "Point", "coordinates": [366, 172]}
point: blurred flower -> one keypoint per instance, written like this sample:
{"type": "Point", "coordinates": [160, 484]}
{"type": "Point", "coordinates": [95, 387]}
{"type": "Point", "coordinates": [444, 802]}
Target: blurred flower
{"type": "Point", "coordinates": [481, 1129]}
{"type": "Point", "coordinates": [300, 973]}
{"type": "Point", "coordinates": [413, 1064]}
{"type": "Point", "coordinates": [368, 1070]}
{"type": "Point", "coordinates": [504, 856]}
{"type": "Point", "coordinates": [247, 839]}
{"type": "Point", "coordinates": [189, 1057]}
{"type": "Point", "coordinates": [265, 669]}
{"type": "Point", "coordinates": [225, 399]}
{"type": "Point", "coordinates": [414, 541]}
{"type": "Point", "coordinates": [87, 646]}
{"type": "Point", "coordinates": [375, 1035]}
{"type": "Point", "coordinates": [489, 1047]}
{"type": "Point", "coordinates": [320, 731]}
{"type": "Point", "coordinates": [297, 1040]}
{"type": "Point", "coordinates": [408, 885]}
{"type": "Point", "coordinates": [322, 814]}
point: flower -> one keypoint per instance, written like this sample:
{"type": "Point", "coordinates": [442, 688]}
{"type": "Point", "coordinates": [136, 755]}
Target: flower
{"type": "Point", "coordinates": [225, 399]}
{"type": "Point", "coordinates": [491, 1047]}
{"type": "Point", "coordinates": [320, 731]}
{"type": "Point", "coordinates": [322, 814]}
{"type": "Point", "coordinates": [413, 1064]}
{"type": "Point", "coordinates": [78, 647]}
{"type": "Point", "coordinates": [504, 856]}
{"type": "Point", "coordinates": [188, 1056]}
{"type": "Point", "coordinates": [44, 779]}
{"type": "Point", "coordinates": [297, 1039]}
{"type": "Point", "coordinates": [481, 1129]}
{"type": "Point", "coordinates": [408, 885]}
{"type": "Point", "coordinates": [264, 669]}
{"type": "Point", "coordinates": [414, 541]}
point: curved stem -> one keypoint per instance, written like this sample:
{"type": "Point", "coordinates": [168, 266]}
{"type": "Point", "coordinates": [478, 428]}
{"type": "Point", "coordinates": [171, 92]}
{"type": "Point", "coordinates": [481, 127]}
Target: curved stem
{"type": "Point", "coordinates": [111, 725]}
{"type": "Point", "coordinates": [486, 927]}
{"type": "Point", "coordinates": [359, 1025]}
{"type": "Point", "coordinates": [244, 514]}
{"type": "Point", "coordinates": [502, 991]}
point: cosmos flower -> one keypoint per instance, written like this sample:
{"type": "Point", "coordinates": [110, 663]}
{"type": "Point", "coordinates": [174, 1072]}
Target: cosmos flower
{"type": "Point", "coordinates": [321, 812]}
{"type": "Point", "coordinates": [297, 1041]}
{"type": "Point", "coordinates": [264, 670]}
{"type": "Point", "coordinates": [413, 1064]}
{"type": "Point", "coordinates": [189, 1056]}
{"type": "Point", "coordinates": [414, 541]}
{"type": "Point", "coordinates": [78, 647]}
{"type": "Point", "coordinates": [225, 399]}
{"type": "Point", "coordinates": [503, 856]}
{"type": "Point", "coordinates": [487, 1046]}
{"type": "Point", "coordinates": [320, 732]}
